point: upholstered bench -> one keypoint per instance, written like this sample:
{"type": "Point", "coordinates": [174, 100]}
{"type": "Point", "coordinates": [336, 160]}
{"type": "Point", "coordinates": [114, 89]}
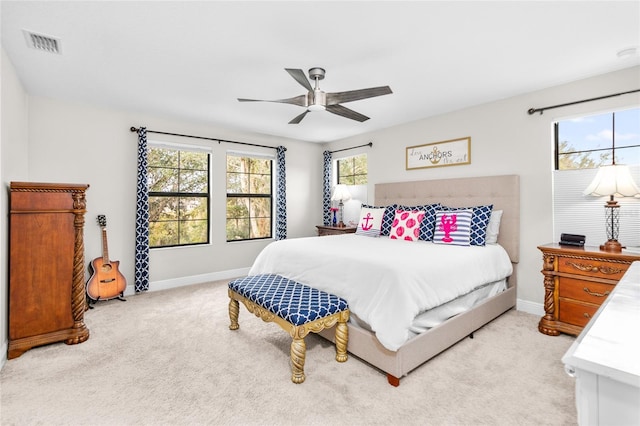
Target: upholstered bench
{"type": "Point", "coordinates": [297, 308]}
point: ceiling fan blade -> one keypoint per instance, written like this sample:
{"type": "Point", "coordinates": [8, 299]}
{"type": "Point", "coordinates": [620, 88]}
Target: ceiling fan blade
{"type": "Point", "coordinates": [299, 118]}
{"type": "Point", "coordinates": [356, 95]}
{"type": "Point", "coordinates": [346, 112]}
{"type": "Point", "coordinates": [300, 77]}
{"type": "Point", "coordinates": [297, 100]}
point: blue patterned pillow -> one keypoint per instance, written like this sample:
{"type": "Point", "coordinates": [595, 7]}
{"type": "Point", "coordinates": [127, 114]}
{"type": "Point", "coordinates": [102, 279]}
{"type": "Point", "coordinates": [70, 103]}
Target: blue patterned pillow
{"type": "Point", "coordinates": [453, 227]}
{"type": "Point", "coordinates": [479, 222]}
{"type": "Point", "coordinates": [428, 223]}
{"type": "Point", "coordinates": [387, 218]}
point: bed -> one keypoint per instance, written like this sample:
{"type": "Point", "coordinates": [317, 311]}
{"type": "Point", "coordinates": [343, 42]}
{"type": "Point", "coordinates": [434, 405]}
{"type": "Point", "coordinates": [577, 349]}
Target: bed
{"type": "Point", "coordinates": [393, 328]}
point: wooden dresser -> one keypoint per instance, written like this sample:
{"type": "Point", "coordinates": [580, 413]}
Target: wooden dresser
{"type": "Point", "coordinates": [577, 280]}
{"type": "Point", "coordinates": [334, 230]}
{"type": "Point", "coordinates": [46, 265]}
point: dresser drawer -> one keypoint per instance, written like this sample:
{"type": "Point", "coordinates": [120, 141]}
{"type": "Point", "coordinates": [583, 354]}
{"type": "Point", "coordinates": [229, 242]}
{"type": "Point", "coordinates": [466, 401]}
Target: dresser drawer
{"type": "Point", "coordinates": [585, 291]}
{"type": "Point", "coordinates": [592, 268]}
{"type": "Point", "coordinates": [576, 313]}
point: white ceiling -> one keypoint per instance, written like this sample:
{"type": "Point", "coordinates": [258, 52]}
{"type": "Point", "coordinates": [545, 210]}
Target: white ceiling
{"type": "Point", "coordinates": [191, 60]}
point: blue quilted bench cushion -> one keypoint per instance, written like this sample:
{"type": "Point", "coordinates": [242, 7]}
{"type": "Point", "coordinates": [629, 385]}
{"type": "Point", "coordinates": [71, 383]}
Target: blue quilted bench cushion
{"type": "Point", "coordinates": [294, 302]}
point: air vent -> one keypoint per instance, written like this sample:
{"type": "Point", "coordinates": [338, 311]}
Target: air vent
{"type": "Point", "coordinates": [42, 42]}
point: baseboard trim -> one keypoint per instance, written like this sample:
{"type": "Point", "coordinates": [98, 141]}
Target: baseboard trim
{"type": "Point", "coordinates": [190, 280]}
{"type": "Point", "coordinates": [530, 307]}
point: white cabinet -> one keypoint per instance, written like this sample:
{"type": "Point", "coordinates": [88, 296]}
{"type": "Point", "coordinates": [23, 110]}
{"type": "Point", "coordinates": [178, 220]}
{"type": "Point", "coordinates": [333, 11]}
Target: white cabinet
{"type": "Point", "coordinates": [605, 358]}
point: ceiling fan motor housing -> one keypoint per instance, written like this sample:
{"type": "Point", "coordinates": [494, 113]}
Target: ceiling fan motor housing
{"type": "Point", "coordinates": [316, 73]}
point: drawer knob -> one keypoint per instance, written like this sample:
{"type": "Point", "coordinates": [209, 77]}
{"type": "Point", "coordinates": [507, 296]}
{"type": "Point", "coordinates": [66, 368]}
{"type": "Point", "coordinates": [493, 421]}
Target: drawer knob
{"type": "Point", "coordinates": [586, 315]}
{"type": "Point", "coordinates": [596, 294]}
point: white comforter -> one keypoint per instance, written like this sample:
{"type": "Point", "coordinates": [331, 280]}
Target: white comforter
{"type": "Point", "coordinates": [386, 282]}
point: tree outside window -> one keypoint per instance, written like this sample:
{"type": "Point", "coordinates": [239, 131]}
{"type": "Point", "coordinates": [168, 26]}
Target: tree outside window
{"type": "Point", "coordinates": [249, 197]}
{"type": "Point", "coordinates": [178, 197]}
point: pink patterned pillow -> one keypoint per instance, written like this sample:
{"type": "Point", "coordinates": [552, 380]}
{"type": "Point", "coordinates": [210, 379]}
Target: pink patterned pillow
{"type": "Point", "coordinates": [406, 225]}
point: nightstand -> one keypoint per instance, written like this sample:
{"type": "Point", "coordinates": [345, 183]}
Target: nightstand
{"type": "Point", "coordinates": [334, 230]}
{"type": "Point", "coordinates": [576, 282]}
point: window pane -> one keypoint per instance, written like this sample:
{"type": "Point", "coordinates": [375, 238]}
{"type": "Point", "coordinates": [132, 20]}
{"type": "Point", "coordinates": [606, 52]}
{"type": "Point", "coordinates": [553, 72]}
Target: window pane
{"type": "Point", "coordinates": [238, 229]}
{"type": "Point", "coordinates": [194, 160]}
{"type": "Point", "coordinates": [261, 228]}
{"type": "Point", "coordinates": [237, 183]}
{"type": "Point", "coordinates": [260, 165]}
{"type": "Point", "coordinates": [193, 208]}
{"type": "Point", "coordinates": [162, 179]}
{"type": "Point", "coordinates": [260, 184]}
{"type": "Point", "coordinates": [628, 156]}
{"type": "Point", "coordinates": [260, 207]}
{"type": "Point", "coordinates": [237, 208]}
{"type": "Point", "coordinates": [628, 128]}
{"type": "Point", "coordinates": [163, 157]}
{"type": "Point", "coordinates": [163, 233]}
{"type": "Point", "coordinates": [586, 133]}
{"type": "Point", "coordinates": [233, 164]}
{"type": "Point", "coordinates": [194, 181]}
{"type": "Point", "coordinates": [163, 208]}
{"type": "Point", "coordinates": [193, 232]}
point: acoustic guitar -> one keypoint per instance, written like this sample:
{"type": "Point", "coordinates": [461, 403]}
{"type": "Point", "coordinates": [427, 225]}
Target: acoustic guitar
{"type": "Point", "coordinates": [106, 282]}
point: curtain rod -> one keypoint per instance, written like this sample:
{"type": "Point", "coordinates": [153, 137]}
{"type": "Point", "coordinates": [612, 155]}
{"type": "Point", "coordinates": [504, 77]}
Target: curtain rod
{"type": "Point", "coordinates": [133, 129]}
{"type": "Point", "coordinates": [353, 147]}
{"type": "Point", "coordinates": [541, 110]}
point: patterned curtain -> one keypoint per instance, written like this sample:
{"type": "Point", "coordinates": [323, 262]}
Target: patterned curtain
{"type": "Point", "coordinates": [326, 190]}
{"type": "Point", "coordinates": [142, 216]}
{"type": "Point", "coordinates": [281, 196]}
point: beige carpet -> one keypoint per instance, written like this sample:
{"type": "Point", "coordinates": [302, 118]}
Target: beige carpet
{"type": "Point", "coordinates": [168, 358]}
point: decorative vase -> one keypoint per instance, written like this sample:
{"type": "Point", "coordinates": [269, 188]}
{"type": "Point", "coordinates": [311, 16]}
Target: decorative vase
{"type": "Point", "coordinates": [335, 220]}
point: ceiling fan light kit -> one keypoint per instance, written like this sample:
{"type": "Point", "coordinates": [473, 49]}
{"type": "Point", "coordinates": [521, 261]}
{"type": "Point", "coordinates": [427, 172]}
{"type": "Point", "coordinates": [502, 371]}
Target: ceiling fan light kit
{"type": "Point", "coordinates": [317, 100]}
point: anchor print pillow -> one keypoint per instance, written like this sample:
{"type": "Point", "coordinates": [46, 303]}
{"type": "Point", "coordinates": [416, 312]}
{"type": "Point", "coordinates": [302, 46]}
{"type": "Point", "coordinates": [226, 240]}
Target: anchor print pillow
{"type": "Point", "coordinates": [406, 225]}
{"type": "Point", "coordinates": [453, 227]}
{"type": "Point", "coordinates": [370, 221]}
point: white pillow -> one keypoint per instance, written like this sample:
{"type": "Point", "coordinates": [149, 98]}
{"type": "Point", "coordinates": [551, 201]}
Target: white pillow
{"type": "Point", "coordinates": [370, 221]}
{"type": "Point", "coordinates": [494, 227]}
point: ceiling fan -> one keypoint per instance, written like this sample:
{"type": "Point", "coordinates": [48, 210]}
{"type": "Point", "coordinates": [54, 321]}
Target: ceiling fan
{"type": "Point", "coordinates": [318, 100]}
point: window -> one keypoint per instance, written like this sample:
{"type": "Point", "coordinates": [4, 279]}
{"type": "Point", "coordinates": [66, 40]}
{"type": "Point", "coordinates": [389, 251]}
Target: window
{"type": "Point", "coordinates": [178, 197]}
{"type": "Point", "coordinates": [592, 141]}
{"type": "Point", "coordinates": [249, 197]}
{"type": "Point", "coordinates": [582, 145]}
{"type": "Point", "coordinates": [353, 170]}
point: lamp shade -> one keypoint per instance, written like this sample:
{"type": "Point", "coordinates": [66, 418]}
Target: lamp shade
{"type": "Point", "coordinates": [614, 180]}
{"type": "Point", "coordinates": [340, 193]}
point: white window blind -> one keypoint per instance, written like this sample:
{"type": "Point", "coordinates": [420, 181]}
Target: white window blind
{"type": "Point", "coordinates": [574, 213]}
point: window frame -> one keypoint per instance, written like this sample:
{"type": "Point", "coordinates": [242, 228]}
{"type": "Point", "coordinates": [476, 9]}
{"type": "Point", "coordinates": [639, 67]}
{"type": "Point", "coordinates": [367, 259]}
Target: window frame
{"type": "Point", "coordinates": [353, 158]}
{"type": "Point", "coordinates": [270, 196]}
{"type": "Point", "coordinates": [610, 149]}
{"type": "Point", "coordinates": [178, 194]}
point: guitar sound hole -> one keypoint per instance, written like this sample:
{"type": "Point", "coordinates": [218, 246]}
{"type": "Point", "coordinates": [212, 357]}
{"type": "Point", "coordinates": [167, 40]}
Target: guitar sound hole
{"type": "Point", "coordinates": [106, 268]}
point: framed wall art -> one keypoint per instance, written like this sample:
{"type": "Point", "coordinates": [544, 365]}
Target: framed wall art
{"type": "Point", "coordinates": [453, 152]}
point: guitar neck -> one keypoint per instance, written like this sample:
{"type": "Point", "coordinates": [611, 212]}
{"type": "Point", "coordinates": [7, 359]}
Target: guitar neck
{"type": "Point", "coordinates": [105, 248]}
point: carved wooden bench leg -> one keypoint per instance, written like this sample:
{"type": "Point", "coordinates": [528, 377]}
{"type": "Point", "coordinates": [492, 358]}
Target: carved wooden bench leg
{"type": "Point", "coordinates": [342, 337]}
{"type": "Point", "coordinates": [234, 310]}
{"type": "Point", "coordinates": [298, 354]}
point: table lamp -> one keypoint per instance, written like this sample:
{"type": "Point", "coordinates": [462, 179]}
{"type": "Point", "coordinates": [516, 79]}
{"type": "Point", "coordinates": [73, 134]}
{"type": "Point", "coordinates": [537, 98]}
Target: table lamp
{"type": "Point", "coordinates": [613, 181]}
{"type": "Point", "coordinates": [341, 194]}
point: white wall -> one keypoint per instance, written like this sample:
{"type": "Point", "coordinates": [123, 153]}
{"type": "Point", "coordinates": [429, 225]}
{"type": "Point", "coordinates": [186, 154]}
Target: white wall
{"type": "Point", "coordinates": [505, 139]}
{"type": "Point", "coordinates": [85, 144]}
{"type": "Point", "coordinates": [13, 166]}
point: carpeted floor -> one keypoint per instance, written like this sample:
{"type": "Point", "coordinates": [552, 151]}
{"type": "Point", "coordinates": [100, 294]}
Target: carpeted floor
{"type": "Point", "coordinates": [169, 358]}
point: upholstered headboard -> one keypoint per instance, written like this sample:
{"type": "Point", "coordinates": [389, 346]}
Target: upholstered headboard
{"type": "Point", "coordinates": [501, 191]}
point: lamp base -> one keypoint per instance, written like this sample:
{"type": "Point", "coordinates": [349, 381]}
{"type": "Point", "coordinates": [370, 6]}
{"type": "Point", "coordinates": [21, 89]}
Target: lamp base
{"type": "Point", "coordinates": [341, 225]}
{"type": "Point", "coordinates": [611, 246]}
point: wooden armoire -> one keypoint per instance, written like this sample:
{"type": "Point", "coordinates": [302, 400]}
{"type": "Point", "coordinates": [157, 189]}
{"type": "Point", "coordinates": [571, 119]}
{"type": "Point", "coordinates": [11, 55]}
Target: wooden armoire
{"type": "Point", "coordinates": [46, 265]}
